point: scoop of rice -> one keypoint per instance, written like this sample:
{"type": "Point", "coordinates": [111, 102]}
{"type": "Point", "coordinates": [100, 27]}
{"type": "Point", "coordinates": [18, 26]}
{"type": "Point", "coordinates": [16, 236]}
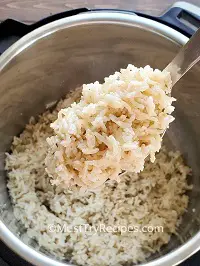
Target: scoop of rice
{"type": "Point", "coordinates": [115, 127]}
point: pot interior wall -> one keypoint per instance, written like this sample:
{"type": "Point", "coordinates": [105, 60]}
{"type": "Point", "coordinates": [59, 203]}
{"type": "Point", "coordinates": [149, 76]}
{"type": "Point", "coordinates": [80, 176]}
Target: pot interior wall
{"type": "Point", "coordinates": [48, 69]}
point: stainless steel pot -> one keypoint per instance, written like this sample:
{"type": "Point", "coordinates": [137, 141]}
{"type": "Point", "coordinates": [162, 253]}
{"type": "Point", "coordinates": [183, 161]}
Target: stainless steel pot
{"type": "Point", "coordinates": [45, 64]}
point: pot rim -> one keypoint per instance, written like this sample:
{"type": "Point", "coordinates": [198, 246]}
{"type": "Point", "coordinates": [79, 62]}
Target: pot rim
{"type": "Point", "coordinates": [93, 17]}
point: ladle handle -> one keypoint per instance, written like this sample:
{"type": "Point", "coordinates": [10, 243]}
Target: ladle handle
{"type": "Point", "coordinates": [187, 57]}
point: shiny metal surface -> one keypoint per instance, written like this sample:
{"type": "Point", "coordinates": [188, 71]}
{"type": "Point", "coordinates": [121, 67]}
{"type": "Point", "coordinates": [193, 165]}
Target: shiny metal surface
{"type": "Point", "coordinates": [44, 65]}
{"type": "Point", "coordinates": [187, 57]}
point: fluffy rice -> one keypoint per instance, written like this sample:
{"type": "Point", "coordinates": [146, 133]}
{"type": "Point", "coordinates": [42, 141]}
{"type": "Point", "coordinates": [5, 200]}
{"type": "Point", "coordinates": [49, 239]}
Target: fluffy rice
{"type": "Point", "coordinates": [154, 197]}
{"type": "Point", "coordinates": [114, 127]}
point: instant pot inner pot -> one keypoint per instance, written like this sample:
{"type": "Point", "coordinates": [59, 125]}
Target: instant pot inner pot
{"type": "Point", "coordinates": [47, 69]}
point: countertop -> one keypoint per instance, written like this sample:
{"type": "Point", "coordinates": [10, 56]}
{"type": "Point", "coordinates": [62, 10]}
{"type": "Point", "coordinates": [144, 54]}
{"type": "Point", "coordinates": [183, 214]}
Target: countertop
{"type": "Point", "coordinates": [33, 10]}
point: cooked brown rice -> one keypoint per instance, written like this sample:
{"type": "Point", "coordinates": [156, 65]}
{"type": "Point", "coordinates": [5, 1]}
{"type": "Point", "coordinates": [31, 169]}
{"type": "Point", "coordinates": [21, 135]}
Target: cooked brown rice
{"type": "Point", "coordinates": [154, 197]}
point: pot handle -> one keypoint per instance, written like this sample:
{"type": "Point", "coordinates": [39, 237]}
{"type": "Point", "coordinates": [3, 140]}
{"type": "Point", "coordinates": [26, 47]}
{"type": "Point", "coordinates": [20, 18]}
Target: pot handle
{"type": "Point", "coordinates": [182, 16]}
{"type": "Point", "coordinates": [12, 30]}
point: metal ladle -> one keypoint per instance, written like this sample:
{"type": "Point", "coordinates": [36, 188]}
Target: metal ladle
{"type": "Point", "coordinates": [187, 57]}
